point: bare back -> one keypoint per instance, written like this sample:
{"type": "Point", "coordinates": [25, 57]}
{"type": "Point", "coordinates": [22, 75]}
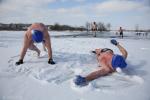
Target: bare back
{"type": "Point", "coordinates": [37, 26]}
{"type": "Point", "coordinates": [105, 59]}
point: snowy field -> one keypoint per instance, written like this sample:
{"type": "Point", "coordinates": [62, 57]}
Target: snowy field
{"type": "Point", "coordinates": [37, 80]}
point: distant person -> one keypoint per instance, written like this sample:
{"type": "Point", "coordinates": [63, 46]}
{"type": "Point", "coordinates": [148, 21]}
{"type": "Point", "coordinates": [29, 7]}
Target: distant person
{"type": "Point", "coordinates": [109, 62]}
{"type": "Point", "coordinates": [94, 28]}
{"type": "Point", "coordinates": [146, 34]}
{"type": "Point", "coordinates": [121, 32]}
{"type": "Point", "coordinates": [143, 33]}
{"type": "Point", "coordinates": [36, 33]}
{"type": "Point", "coordinates": [116, 33]}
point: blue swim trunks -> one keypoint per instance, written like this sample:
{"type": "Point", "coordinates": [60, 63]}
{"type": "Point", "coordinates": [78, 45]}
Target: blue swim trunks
{"type": "Point", "coordinates": [37, 36]}
{"type": "Point", "coordinates": [118, 61]}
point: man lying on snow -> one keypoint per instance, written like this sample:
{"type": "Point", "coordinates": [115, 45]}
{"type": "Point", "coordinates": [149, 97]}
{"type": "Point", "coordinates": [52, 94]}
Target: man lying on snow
{"type": "Point", "coordinates": [109, 63]}
{"type": "Point", "coordinates": [36, 33]}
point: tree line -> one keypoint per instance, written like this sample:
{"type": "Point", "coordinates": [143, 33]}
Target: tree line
{"type": "Point", "coordinates": [100, 26]}
{"type": "Point", "coordinates": [58, 27]}
{"type": "Point", "coordinates": [55, 27]}
{"type": "Point", "coordinates": [13, 26]}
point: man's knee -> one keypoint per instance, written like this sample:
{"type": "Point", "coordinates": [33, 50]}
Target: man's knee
{"type": "Point", "coordinates": [32, 47]}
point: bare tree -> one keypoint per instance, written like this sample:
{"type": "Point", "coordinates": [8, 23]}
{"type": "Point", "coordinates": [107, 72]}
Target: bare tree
{"type": "Point", "coordinates": [101, 26]}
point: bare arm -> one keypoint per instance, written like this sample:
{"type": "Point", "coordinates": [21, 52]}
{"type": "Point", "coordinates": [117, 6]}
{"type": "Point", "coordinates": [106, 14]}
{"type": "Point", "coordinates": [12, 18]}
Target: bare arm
{"type": "Point", "coordinates": [96, 74]}
{"type": "Point", "coordinates": [122, 50]}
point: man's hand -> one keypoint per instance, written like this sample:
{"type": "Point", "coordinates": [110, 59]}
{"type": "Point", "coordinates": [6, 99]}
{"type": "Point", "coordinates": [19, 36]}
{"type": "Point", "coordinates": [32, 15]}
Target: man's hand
{"type": "Point", "coordinates": [114, 42]}
{"type": "Point", "coordinates": [80, 81]}
{"type": "Point", "coordinates": [50, 61]}
{"type": "Point", "coordinates": [19, 62]}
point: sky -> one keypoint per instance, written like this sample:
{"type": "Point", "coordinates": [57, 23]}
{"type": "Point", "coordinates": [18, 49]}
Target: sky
{"type": "Point", "coordinates": [125, 13]}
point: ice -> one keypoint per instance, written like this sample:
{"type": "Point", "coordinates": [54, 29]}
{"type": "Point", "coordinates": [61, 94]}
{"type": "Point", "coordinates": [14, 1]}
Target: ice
{"type": "Point", "coordinates": [37, 80]}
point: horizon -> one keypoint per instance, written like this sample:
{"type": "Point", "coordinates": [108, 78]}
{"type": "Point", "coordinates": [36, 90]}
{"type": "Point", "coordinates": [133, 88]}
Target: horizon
{"type": "Point", "coordinates": [134, 29]}
{"type": "Point", "coordinates": [125, 13]}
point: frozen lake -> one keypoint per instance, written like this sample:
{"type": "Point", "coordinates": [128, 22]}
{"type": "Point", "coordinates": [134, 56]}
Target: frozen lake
{"type": "Point", "coordinates": [37, 80]}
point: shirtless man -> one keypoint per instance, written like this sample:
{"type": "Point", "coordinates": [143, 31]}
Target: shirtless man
{"type": "Point", "coordinates": [94, 28]}
{"type": "Point", "coordinates": [37, 33]}
{"type": "Point", "coordinates": [121, 32]}
{"type": "Point", "coordinates": [109, 63]}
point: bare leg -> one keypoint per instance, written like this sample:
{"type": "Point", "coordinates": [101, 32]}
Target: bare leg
{"type": "Point", "coordinates": [34, 48]}
{"type": "Point", "coordinates": [94, 33]}
{"type": "Point", "coordinates": [44, 45]}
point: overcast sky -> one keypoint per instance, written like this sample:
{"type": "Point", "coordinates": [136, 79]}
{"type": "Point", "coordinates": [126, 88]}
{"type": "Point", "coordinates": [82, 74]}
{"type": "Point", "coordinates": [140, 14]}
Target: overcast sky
{"type": "Point", "coordinates": [125, 13]}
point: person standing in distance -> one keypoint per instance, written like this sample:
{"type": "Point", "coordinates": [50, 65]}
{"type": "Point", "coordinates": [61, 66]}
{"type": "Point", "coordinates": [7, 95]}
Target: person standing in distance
{"type": "Point", "coordinates": [121, 32]}
{"type": "Point", "coordinates": [94, 28]}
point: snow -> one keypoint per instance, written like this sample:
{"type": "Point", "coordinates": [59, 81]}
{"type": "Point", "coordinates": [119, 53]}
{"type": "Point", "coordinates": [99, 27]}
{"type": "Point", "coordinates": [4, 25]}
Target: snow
{"type": "Point", "coordinates": [37, 80]}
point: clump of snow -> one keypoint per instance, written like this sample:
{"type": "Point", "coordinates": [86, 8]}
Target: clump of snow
{"type": "Point", "coordinates": [118, 70]}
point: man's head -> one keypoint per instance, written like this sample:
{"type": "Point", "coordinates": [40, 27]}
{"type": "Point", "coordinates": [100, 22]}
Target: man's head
{"type": "Point", "coordinates": [37, 36]}
{"type": "Point", "coordinates": [99, 51]}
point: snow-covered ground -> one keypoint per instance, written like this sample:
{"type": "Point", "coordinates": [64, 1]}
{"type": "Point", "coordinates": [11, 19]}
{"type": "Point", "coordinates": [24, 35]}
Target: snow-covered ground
{"type": "Point", "coordinates": [37, 80]}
